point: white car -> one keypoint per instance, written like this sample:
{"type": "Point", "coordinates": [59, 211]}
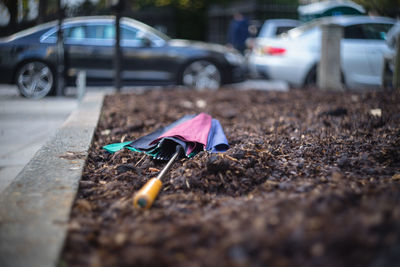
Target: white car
{"type": "Point", "coordinates": [389, 57]}
{"type": "Point", "coordinates": [273, 27]}
{"type": "Point", "coordinates": [293, 57]}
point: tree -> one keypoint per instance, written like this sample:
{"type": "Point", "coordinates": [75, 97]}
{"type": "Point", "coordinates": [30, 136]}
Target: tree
{"type": "Point", "coordinates": [12, 6]}
{"type": "Point", "coordinates": [42, 11]}
{"type": "Point", "coordinates": [389, 8]}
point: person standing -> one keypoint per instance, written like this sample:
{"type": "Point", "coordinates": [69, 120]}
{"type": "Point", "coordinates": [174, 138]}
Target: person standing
{"type": "Point", "coordinates": [238, 32]}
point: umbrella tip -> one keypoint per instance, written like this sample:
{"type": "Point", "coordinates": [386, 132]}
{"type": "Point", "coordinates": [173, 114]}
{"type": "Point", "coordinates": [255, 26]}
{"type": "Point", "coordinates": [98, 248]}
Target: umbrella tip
{"type": "Point", "coordinates": [142, 202]}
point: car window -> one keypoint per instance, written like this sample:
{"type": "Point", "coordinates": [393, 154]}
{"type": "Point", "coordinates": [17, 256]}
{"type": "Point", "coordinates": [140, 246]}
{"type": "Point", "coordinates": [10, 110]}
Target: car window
{"type": "Point", "coordinates": [370, 31]}
{"type": "Point", "coordinates": [95, 31]}
{"type": "Point", "coordinates": [109, 32]}
{"type": "Point", "coordinates": [130, 34]}
{"type": "Point", "coordinates": [376, 31]}
{"type": "Point", "coordinates": [354, 32]}
{"type": "Point", "coordinates": [283, 29]}
{"type": "Point", "coordinates": [76, 32]}
{"type": "Point", "coordinates": [303, 29]}
{"type": "Point", "coordinates": [53, 35]}
{"type": "Point", "coordinates": [126, 34]}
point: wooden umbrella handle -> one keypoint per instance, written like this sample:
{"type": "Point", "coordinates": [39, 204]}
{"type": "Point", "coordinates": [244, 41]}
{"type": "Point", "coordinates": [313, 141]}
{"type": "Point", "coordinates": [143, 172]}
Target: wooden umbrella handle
{"type": "Point", "coordinates": [145, 197]}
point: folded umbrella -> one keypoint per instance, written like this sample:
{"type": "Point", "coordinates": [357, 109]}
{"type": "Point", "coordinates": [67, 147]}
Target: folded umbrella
{"type": "Point", "coordinates": [194, 133]}
{"type": "Point", "coordinates": [186, 136]}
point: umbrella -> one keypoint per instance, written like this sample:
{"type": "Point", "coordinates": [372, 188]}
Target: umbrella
{"type": "Point", "coordinates": [185, 137]}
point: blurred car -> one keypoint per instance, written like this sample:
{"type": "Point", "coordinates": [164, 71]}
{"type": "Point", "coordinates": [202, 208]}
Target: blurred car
{"type": "Point", "coordinates": [293, 57]}
{"type": "Point", "coordinates": [149, 57]}
{"type": "Point", "coordinates": [274, 27]}
{"type": "Point", "coordinates": [390, 55]}
{"type": "Point", "coordinates": [271, 28]}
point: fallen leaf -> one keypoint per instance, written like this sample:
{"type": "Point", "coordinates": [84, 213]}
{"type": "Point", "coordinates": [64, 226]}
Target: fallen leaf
{"type": "Point", "coordinates": [396, 177]}
{"type": "Point", "coordinates": [377, 112]}
{"type": "Point", "coordinates": [105, 132]}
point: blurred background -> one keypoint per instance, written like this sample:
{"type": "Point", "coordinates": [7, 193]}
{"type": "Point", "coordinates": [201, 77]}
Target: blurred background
{"type": "Point", "coordinates": [205, 20]}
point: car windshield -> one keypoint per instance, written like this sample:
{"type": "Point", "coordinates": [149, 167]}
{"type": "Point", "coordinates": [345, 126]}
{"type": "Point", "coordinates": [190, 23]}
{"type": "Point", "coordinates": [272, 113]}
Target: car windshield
{"type": "Point", "coordinates": [37, 28]}
{"type": "Point", "coordinates": [279, 30]}
{"type": "Point", "coordinates": [298, 31]}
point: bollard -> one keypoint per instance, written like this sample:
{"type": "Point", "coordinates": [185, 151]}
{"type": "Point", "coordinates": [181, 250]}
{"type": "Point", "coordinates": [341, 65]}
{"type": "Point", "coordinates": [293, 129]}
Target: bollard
{"type": "Point", "coordinates": [328, 72]}
{"type": "Point", "coordinates": [81, 84]}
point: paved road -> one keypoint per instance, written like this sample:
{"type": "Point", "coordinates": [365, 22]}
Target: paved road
{"type": "Point", "coordinates": [25, 125]}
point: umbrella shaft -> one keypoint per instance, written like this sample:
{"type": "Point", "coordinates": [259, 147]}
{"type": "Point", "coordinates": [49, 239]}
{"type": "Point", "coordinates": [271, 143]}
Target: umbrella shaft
{"type": "Point", "coordinates": [168, 166]}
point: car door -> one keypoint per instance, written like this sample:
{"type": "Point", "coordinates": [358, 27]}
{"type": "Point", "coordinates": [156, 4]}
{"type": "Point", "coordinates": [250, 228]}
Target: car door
{"type": "Point", "coordinates": [362, 57]}
{"type": "Point", "coordinates": [375, 35]}
{"type": "Point", "coordinates": [146, 58]}
{"type": "Point", "coordinates": [87, 48]}
{"type": "Point", "coordinates": [355, 64]}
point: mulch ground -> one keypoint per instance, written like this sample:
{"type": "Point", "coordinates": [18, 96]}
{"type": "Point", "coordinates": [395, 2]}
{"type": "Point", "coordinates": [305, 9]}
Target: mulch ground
{"type": "Point", "coordinates": [311, 179]}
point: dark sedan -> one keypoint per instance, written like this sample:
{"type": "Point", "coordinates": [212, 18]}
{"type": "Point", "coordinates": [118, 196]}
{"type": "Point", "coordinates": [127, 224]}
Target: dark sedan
{"type": "Point", "coordinates": [28, 58]}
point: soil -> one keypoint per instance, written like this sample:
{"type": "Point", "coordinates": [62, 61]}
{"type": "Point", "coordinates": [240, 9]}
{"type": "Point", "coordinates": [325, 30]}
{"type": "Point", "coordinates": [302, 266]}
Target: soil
{"type": "Point", "coordinates": [311, 178]}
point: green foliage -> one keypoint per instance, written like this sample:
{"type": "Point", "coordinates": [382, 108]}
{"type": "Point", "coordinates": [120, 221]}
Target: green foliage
{"type": "Point", "coordinates": [86, 8]}
{"type": "Point", "coordinates": [382, 7]}
{"type": "Point", "coordinates": [280, 2]}
{"type": "Point", "coordinates": [179, 4]}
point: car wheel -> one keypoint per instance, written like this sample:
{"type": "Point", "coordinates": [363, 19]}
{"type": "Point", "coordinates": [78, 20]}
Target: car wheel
{"type": "Point", "coordinates": [201, 74]}
{"type": "Point", "coordinates": [311, 78]}
{"type": "Point", "coordinates": [35, 79]}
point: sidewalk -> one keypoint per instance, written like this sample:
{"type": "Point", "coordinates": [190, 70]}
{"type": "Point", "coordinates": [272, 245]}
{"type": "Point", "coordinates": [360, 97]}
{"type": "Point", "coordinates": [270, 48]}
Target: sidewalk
{"type": "Point", "coordinates": [25, 126]}
{"type": "Point", "coordinates": [35, 206]}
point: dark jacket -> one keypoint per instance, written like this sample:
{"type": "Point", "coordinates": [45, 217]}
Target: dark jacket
{"type": "Point", "coordinates": [238, 33]}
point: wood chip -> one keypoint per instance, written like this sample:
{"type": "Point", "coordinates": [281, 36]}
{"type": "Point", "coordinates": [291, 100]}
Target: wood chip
{"type": "Point", "coordinates": [151, 169]}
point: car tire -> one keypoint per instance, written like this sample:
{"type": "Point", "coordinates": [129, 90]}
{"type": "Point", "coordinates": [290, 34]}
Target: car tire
{"type": "Point", "coordinates": [201, 74]}
{"type": "Point", "coordinates": [311, 78]}
{"type": "Point", "coordinates": [35, 79]}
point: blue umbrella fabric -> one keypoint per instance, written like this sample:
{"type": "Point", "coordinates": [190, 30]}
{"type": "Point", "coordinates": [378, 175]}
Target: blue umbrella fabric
{"type": "Point", "coordinates": [194, 133]}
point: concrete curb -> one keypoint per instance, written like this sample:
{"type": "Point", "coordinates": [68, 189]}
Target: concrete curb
{"type": "Point", "coordinates": [35, 207]}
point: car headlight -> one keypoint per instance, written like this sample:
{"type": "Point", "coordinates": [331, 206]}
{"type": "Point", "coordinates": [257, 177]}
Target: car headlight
{"type": "Point", "coordinates": [234, 58]}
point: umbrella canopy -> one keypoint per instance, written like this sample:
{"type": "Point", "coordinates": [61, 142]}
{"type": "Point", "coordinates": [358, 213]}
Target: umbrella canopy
{"type": "Point", "coordinates": [194, 133]}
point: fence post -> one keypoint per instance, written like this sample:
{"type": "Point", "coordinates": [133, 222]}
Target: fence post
{"type": "Point", "coordinates": [328, 72]}
{"type": "Point", "coordinates": [60, 52]}
{"type": "Point", "coordinates": [118, 54]}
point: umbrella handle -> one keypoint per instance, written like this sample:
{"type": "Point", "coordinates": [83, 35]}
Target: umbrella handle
{"type": "Point", "coordinates": [145, 197]}
{"type": "Point", "coordinates": [148, 193]}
